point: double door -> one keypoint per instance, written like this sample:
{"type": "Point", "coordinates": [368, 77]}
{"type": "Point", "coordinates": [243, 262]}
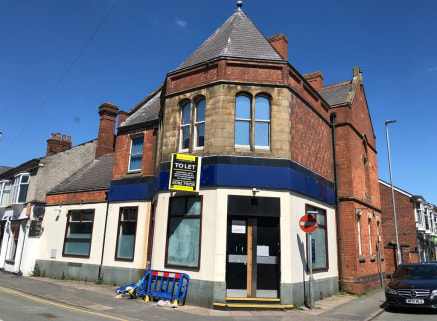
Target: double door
{"type": "Point", "coordinates": [252, 267]}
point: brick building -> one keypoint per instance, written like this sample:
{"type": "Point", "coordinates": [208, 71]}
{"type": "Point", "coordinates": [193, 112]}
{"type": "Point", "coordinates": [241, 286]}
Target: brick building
{"type": "Point", "coordinates": [22, 199]}
{"type": "Point", "coordinates": [274, 145]}
{"type": "Point", "coordinates": [416, 225]}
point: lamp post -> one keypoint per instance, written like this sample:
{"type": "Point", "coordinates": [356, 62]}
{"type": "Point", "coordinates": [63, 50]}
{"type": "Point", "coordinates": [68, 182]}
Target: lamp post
{"type": "Point", "coordinates": [392, 192]}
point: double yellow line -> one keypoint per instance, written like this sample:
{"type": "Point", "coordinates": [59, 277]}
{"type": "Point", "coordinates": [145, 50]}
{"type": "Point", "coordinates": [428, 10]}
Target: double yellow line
{"type": "Point", "coordinates": [17, 293]}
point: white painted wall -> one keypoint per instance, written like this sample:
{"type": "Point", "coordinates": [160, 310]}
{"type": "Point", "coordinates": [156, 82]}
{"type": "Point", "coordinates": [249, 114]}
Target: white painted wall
{"type": "Point", "coordinates": [213, 238]}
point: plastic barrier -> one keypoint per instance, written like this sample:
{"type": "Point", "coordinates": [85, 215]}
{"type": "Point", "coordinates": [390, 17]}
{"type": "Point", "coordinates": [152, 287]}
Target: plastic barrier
{"type": "Point", "coordinates": [131, 290]}
{"type": "Point", "coordinates": [165, 285]}
{"type": "Point", "coordinates": [157, 284]}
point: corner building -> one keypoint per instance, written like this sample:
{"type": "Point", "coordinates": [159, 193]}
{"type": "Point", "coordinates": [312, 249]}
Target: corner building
{"type": "Point", "coordinates": [269, 139]}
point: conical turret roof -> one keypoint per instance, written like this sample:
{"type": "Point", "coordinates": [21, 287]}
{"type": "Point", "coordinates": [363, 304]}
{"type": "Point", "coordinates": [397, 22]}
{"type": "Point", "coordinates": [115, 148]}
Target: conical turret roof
{"type": "Point", "coordinates": [237, 38]}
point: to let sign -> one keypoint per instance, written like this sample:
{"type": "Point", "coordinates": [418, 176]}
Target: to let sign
{"type": "Point", "coordinates": [185, 172]}
{"type": "Point", "coordinates": [308, 223]}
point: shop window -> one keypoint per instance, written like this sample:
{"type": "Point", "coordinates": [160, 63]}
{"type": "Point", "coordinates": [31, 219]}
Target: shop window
{"type": "Point", "coordinates": [183, 232]}
{"type": "Point", "coordinates": [127, 226]}
{"type": "Point", "coordinates": [5, 191]}
{"type": "Point", "coordinates": [136, 153]}
{"type": "Point", "coordinates": [21, 184]}
{"type": "Point", "coordinates": [319, 240]}
{"type": "Point", "coordinates": [78, 233]}
{"type": "Point", "coordinates": [252, 122]}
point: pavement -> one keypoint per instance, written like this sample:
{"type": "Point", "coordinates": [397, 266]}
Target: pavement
{"type": "Point", "coordinates": [93, 298]}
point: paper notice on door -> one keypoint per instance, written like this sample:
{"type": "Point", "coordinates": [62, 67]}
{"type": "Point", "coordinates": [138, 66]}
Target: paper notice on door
{"type": "Point", "coordinates": [262, 250]}
{"type": "Point", "coordinates": [238, 226]}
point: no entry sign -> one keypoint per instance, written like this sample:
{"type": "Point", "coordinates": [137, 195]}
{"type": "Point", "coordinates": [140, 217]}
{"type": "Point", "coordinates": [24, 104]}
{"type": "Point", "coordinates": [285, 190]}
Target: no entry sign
{"type": "Point", "coordinates": [308, 223]}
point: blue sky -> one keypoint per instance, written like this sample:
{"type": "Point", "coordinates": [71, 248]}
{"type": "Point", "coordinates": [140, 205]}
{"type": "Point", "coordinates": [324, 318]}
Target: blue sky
{"type": "Point", "coordinates": [61, 59]}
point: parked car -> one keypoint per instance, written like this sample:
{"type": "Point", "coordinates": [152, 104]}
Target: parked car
{"type": "Point", "coordinates": [413, 286]}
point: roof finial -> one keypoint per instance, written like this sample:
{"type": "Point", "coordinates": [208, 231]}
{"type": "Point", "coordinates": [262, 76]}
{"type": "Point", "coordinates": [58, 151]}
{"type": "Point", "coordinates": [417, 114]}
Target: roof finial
{"type": "Point", "coordinates": [239, 5]}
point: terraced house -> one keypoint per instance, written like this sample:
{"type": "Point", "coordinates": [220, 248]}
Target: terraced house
{"type": "Point", "coordinates": [273, 145]}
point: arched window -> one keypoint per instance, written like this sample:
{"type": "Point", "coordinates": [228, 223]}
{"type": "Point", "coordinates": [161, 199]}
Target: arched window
{"type": "Point", "coordinates": [185, 126]}
{"type": "Point", "coordinates": [262, 121]}
{"type": "Point", "coordinates": [199, 124]}
{"type": "Point", "coordinates": [252, 121]}
{"type": "Point", "coordinates": [242, 120]}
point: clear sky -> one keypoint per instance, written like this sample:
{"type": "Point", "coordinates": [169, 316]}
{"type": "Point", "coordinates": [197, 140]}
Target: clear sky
{"type": "Point", "coordinates": [61, 59]}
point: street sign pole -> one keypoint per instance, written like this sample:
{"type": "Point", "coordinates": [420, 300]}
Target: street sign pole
{"type": "Point", "coordinates": [308, 224]}
{"type": "Point", "coordinates": [310, 267]}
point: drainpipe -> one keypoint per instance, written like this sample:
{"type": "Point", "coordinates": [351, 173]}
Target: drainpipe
{"type": "Point", "coordinates": [337, 214]}
{"type": "Point", "coordinates": [103, 245]}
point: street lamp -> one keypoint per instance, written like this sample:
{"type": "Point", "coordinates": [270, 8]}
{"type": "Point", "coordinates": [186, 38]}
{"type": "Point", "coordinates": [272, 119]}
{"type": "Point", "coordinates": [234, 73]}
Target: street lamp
{"type": "Point", "coordinates": [392, 192]}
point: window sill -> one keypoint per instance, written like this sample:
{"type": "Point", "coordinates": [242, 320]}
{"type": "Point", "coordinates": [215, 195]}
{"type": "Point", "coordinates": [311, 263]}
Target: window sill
{"type": "Point", "coordinates": [133, 174]}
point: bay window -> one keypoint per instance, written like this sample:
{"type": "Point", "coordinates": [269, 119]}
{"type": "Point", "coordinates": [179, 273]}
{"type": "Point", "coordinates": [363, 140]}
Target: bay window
{"type": "Point", "coordinates": [21, 184]}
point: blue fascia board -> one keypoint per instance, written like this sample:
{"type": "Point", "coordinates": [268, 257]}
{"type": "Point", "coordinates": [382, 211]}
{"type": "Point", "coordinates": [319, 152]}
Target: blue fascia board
{"type": "Point", "coordinates": [139, 191]}
{"type": "Point", "coordinates": [231, 175]}
{"type": "Point", "coordinates": [260, 177]}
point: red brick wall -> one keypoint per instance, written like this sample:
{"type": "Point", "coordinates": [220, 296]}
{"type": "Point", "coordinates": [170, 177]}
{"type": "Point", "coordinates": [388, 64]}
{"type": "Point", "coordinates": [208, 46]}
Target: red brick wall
{"type": "Point", "coordinates": [406, 224]}
{"type": "Point", "coordinates": [311, 139]}
{"type": "Point", "coordinates": [358, 190]}
{"type": "Point", "coordinates": [74, 198]}
{"type": "Point", "coordinates": [122, 150]}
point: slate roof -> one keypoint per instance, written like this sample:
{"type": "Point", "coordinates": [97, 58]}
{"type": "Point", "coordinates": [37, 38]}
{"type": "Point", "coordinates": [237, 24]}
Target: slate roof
{"type": "Point", "coordinates": [238, 37]}
{"type": "Point", "coordinates": [146, 111]}
{"type": "Point", "coordinates": [4, 169]}
{"type": "Point", "coordinates": [96, 175]}
{"type": "Point", "coordinates": [336, 94]}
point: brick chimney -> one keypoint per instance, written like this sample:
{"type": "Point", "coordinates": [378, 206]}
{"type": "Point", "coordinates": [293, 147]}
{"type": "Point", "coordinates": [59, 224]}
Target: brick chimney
{"type": "Point", "coordinates": [108, 115]}
{"type": "Point", "coordinates": [122, 116]}
{"type": "Point", "coordinates": [315, 79]}
{"type": "Point", "coordinates": [280, 43]}
{"type": "Point", "coordinates": [56, 143]}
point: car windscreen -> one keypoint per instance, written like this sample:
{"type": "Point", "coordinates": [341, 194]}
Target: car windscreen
{"type": "Point", "coordinates": [425, 272]}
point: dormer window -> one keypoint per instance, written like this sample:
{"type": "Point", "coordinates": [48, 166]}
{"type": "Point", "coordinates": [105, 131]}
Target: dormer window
{"type": "Point", "coordinates": [136, 153]}
{"type": "Point", "coordinates": [21, 185]}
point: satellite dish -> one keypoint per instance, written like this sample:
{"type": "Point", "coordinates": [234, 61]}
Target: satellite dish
{"type": "Point", "coordinates": [38, 211]}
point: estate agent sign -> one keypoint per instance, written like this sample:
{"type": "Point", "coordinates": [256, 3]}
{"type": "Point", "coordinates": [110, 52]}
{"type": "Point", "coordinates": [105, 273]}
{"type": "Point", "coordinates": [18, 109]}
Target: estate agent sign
{"type": "Point", "coordinates": [185, 172]}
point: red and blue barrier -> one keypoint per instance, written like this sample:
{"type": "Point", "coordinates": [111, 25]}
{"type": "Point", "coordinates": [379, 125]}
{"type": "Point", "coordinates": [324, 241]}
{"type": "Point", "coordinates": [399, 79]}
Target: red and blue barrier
{"type": "Point", "coordinates": [158, 284]}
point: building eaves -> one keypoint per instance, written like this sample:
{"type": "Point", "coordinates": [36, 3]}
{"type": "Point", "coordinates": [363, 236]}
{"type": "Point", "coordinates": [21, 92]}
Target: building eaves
{"type": "Point", "coordinates": [25, 167]}
{"type": "Point", "coordinates": [237, 38]}
{"type": "Point", "coordinates": [4, 169]}
{"type": "Point", "coordinates": [146, 112]}
{"type": "Point", "coordinates": [96, 175]}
